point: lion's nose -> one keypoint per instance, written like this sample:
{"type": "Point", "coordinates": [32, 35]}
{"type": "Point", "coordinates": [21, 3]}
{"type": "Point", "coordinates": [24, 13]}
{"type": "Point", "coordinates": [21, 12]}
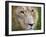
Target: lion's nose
{"type": "Point", "coordinates": [31, 24]}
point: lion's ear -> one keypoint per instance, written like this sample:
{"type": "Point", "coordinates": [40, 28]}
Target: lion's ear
{"type": "Point", "coordinates": [14, 7]}
{"type": "Point", "coordinates": [17, 6]}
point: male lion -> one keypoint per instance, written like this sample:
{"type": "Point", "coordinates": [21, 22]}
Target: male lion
{"type": "Point", "coordinates": [24, 17]}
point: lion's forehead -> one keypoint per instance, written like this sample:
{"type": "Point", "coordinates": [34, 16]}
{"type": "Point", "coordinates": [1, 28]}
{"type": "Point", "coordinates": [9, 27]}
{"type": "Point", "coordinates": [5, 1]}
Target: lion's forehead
{"type": "Point", "coordinates": [25, 8]}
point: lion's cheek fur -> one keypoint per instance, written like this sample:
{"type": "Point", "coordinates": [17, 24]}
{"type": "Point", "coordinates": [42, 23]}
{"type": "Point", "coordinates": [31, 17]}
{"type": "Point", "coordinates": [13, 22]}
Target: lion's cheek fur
{"type": "Point", "coordinates": [22, 23]}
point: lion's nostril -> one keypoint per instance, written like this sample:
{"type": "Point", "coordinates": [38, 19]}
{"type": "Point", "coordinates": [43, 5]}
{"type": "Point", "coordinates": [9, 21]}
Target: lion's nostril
{"type": "Point", "coordinates": [31, 24]}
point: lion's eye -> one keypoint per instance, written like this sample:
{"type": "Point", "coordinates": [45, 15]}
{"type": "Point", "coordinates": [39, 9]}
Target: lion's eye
{"type": "Point", "coordinates": [32, 10]}
{"type": "Point", "coordinates": [22, 12]}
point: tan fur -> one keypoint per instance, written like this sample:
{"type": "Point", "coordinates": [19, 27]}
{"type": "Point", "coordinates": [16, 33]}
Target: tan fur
{"type": "Point", "coordinates": [20, 20]}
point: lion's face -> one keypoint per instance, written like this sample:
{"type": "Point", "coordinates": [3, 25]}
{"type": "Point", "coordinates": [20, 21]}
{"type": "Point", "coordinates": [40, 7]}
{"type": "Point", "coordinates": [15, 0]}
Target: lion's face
{"type": "Point", "coordinates": [26, 16]}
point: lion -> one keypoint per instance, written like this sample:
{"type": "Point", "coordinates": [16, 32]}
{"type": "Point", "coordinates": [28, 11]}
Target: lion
{"type": "Point", "coordinates": [24, 17]}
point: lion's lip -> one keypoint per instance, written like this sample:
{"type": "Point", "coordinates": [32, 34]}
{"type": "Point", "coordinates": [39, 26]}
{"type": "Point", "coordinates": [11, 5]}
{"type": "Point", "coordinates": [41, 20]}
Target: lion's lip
{"type": "Point", "coordinates": [29, 27]}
